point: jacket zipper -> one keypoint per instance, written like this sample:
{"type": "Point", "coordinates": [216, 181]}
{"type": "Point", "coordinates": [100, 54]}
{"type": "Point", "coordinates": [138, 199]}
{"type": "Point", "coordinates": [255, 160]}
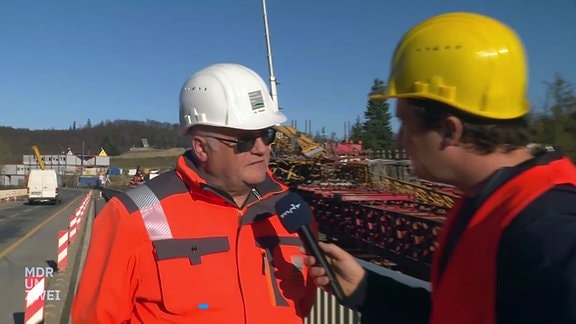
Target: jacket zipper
{"type": "Point", "coordinates": [256, 194]}
{"type": "Point", "coordinates": [238, 267]}
{"type": "Point", "coordinates": [264, 261]}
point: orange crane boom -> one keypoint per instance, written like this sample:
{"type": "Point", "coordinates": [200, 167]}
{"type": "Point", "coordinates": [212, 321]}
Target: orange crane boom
{"type": "Point", "coordinates": [38, 157]}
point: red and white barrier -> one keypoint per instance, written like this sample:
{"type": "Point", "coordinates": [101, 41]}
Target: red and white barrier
{"type": "Point", "coordinates": [12, 194]}
{"type": "Point", "coordinates": [79, 214]}
{"type": "Point", "coordinates": [62, 250]}
{"type": "Point", "coordinates": [76, 219]}
{"type": "Point", "coordinates": [34, 311]}
{"type": "Point", "coordinates": [67, 237]}
{"type": "Point", "coordinates": [73, 228]}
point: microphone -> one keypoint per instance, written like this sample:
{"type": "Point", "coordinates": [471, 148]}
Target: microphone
{"type": "Point", "coordinates": [296, 216]}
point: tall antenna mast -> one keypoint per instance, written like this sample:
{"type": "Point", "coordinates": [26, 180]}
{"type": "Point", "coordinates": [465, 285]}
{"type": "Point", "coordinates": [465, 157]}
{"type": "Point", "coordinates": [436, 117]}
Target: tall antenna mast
{"type": "Point", "coordinates": [273, 89]}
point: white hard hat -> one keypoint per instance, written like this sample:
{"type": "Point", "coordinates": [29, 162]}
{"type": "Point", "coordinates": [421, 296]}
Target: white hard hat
{"type": "Point", "coordinates": [227, 95]}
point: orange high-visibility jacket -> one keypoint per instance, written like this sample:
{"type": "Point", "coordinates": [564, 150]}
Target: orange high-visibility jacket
{"type": "Point", "coordinates": [175, 250]}
{"type": "Point", "coordinates": [466, 291]}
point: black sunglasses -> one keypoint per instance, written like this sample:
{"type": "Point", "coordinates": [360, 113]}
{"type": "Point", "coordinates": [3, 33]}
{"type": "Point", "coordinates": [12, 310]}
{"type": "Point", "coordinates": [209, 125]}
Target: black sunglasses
{"type": "Point", "coordinates": [246, 143]}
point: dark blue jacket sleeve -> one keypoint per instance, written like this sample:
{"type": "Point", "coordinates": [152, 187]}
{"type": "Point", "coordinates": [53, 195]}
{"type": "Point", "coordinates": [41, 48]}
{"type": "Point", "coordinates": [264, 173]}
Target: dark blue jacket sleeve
{"type": "Point", "coordinates": [381, 299]}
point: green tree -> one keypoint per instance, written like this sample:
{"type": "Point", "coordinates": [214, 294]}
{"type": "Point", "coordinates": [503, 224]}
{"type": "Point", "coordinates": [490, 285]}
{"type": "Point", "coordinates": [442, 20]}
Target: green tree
{"type": "Point", "coordinates": [556, 123]}
{"type": "Point", "coordinates": [110, 148]}
{"type": "Point", "coordinates": [6, 156]}
{"type": "Point", "coordinates": [356, 131]}
{"type": "Point", "coordinates": [377, 129]}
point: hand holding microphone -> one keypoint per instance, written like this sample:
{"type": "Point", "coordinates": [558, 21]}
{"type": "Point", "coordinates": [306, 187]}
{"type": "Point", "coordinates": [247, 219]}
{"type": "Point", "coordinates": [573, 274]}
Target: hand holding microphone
{"type": "Point", "coordinates": [295, 216]}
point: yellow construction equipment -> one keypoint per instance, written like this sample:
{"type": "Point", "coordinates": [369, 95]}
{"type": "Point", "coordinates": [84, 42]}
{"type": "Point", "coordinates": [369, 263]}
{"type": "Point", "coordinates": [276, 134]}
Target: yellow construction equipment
{"type": "Point", "coordinates": [38, 157]}
{"type": "Point", "coordinates": [293, 141]}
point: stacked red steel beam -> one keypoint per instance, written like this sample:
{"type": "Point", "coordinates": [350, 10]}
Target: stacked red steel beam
{"type": "Point", "coordinates": [379, 221]}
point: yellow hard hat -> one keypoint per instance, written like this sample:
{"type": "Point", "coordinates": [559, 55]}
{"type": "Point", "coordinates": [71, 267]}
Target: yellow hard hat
{"type": "Point", "coordinates": [468, 61]}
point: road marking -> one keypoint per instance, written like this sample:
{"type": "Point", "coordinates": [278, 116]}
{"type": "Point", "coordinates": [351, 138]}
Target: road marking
{"type": "Point", "coordinates": [34, 230]}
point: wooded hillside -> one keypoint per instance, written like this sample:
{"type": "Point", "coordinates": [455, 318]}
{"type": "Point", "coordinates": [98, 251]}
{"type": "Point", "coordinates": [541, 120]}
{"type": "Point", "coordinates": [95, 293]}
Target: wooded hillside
{"type": "Point", "coordinates": [116, 137]}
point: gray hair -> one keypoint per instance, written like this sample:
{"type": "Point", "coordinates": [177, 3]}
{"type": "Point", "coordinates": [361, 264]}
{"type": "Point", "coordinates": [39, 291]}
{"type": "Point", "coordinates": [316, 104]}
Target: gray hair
{"type": "Point", "coordinates": [210, 141]}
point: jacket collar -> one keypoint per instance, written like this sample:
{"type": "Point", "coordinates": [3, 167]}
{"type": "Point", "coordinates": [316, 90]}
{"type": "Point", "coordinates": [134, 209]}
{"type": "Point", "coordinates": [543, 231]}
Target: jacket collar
{"type": "Point", "coordinates": [503, 175]}
{"type": "Point", "coordinates": [189, 173]}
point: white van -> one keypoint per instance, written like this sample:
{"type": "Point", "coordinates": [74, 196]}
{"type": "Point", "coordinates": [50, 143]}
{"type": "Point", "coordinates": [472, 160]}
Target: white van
{"type": "Point", "coordinates": [44, 186]}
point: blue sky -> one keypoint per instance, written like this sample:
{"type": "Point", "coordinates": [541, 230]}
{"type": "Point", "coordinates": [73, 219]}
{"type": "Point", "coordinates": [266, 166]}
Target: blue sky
{"type": "Point", "coordinates": [105, 60]}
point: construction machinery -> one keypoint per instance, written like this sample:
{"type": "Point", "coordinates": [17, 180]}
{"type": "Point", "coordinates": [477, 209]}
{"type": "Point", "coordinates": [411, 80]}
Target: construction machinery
{"type": "Point", "coordinates": [291, 141]}
{"type": "Point", "coordinates": [296, 157]}
{"type": "Point", "coordinates": [38, 157]}
{"type": "Point", "coordinates": [137, 179]}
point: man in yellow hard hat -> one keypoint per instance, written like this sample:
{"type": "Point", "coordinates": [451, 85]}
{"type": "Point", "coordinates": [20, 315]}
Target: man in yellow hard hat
{"type": "Point", "coordinates": [507, 252]}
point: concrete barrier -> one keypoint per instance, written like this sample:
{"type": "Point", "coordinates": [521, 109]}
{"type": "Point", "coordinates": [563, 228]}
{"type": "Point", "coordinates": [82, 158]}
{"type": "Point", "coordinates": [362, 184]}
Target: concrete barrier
{"type": "Point", "coordinates": [108, 193]}
{"type": "Point", "coordinates": [12, 194]}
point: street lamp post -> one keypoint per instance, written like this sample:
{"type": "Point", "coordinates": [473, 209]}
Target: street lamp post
{"type": "Point", "coordinates": [82, 160]}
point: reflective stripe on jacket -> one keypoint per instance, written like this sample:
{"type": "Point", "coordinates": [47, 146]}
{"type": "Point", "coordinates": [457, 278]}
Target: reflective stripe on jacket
{"type": "Point", "coordinates": [466, 290]}
{"type": "Point", "coordinates": [176, 251]}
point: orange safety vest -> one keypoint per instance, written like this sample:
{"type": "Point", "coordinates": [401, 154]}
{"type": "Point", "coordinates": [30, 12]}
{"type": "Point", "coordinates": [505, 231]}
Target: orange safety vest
{"type": "Point", "coordinates": [466, 291]}
{"type": "Point", "coordinates": [166, 252]}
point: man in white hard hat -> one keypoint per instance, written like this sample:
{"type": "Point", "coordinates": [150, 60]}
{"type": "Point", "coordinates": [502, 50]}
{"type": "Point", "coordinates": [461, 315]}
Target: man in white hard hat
{"type": "Point", "coordinates": [202, 243]}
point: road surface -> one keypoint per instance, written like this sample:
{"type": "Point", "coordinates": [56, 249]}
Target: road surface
{"type": "Point", "coordinates": [28, 240]}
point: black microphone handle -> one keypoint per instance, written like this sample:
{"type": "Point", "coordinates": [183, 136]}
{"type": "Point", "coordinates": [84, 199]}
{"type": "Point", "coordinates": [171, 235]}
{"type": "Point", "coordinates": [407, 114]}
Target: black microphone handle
{"type": "Point", "coordinates": [312, 246]}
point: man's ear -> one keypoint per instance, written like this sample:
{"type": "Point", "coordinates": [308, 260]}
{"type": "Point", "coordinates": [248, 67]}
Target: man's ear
{"type": "Point", "coordinates": [451, 131]}
{"type": "Point", "coordinates": [200, 147]}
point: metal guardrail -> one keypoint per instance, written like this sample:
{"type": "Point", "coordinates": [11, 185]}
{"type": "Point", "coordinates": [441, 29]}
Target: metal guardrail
{"type": "Point", "coordinates": [328, 310]}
